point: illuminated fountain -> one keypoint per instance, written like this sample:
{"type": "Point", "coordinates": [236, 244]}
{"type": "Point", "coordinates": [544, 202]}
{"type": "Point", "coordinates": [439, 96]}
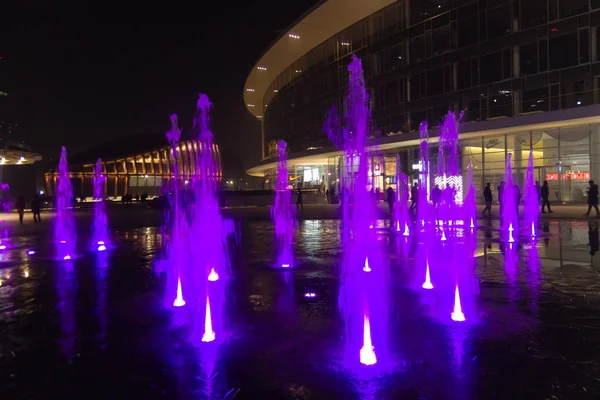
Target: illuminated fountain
{"type": "Point", "coordinates": [470, 210]}
{"type": "Point", "coordinates": [424, 212]}
{"type": "Point", "coordinates": [510, 222]}
{"type": "Point", "coordinates": [64, 229]}
{"type": "Point", "coordinates": [402, 196]}
{"type": "Point", "coordinates": [207, 233]}
{"type": "Point", "coordinates": [197, 262]}
{"type": "Point", "coordinates": [363, 289]}
{"type": "Point", "coordinates": [455, 279]}
{"type": "Point", "coordinates": [282, 211]}
{"type": "Point", "coordinates": [100, 234]}
{"type": "Point", "coordinates": [532, 201]}
{"type": "Point", "coordinates": [177, 246]}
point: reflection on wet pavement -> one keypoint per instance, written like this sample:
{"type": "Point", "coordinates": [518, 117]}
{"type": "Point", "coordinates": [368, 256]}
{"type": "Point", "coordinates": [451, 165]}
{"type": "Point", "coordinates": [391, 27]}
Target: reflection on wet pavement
{"type": "Point", "coordinates": [94, 327]}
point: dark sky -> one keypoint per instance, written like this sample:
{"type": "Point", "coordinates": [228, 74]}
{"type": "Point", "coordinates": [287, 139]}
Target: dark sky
{"type": "Point", "coordinates": [89, 72]}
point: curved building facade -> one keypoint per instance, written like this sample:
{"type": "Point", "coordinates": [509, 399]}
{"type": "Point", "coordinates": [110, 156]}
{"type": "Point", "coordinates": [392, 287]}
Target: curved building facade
{"type": "Point", "coordinates": [135, 165]}
{"type": "Point", "coordinates": [525, 73]}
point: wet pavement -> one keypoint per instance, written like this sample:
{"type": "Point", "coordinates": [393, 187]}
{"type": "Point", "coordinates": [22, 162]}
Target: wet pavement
{"type": "Point", "coordinates": [95, 328]}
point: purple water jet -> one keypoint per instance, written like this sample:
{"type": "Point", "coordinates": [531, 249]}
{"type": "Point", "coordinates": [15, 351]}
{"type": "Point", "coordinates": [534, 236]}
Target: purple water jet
{"type": "Point", "coordinates": [177, 246]}
{"type": "Point", "coordinates": [208, 238]}
{"type": "Point", "coordinates": [363, 290]}
{"type": "Point", "coordinates": [282, 211]}
{"type": "Point", "coordinates": [65, 235]}
{"type": "Point", "coordinates": [469, 207]}
{"type": "Point", "coordinates": [509, 204]}
{"type": "Point", "coordinates": [197, 260]}
{"type": "Point", "coordinates": [401, 216]}
{"type": "Point", "coordinates": [531, 212]}
{"type": "Point", "coordinates": [424, 211]}
{"type": "Point", "coordinates": [455, 279]}
{"type": "Point", "coordinates": [100, 234]}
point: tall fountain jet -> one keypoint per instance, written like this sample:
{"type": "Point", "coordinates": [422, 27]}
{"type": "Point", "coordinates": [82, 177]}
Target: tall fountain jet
{"type": "Point", "coordinates": [282, 212]}
{"type": "Point", "coordinates": [208, 238]}
{"type": "Point", "coordinates": [65, 235]}
{"type": "Point", "coordinates": [423, 209]}
{"type": "Point", "coordinates": [100, 235]}
{"type": "Point", "coordinates": [470, 210]}
{"type": "Point", "coordinates": [402, 196]}
{"type": "Point", "coordinates": [177, 247]}
{"type": "Point", "coordinates": [363, 288]}
{"type": "Point", "coordinates": [531, 212]}
{"type": "Point", "coordinates": [457, 276]}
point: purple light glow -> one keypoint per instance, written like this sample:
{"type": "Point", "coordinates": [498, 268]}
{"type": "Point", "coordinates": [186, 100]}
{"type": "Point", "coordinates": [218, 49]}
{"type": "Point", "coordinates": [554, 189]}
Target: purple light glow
{"type": "Point", "coordinates": [367, 351]}
{"type": "Point", "coordinates": [310, 294]}
{"type": "Point", "coordinates": [427, 284]}
{"type": "Point", "coordinates": [213, 276]}
{"type": "Point", "coordinates": [2, 247]}
{"type": "Point", "coordinates": [30, 252]}
{"type": "Point", "coordinates": [457, 315]}
{"type": "Point", "coordinates": [179, 301]}
{"type": "Point", "coordinates": [209, 334]}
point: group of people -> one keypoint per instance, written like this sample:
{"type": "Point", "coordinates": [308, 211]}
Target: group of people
{"type": "Point", "coordinates": [128, 198]}
{"type": "Point", "coordinates": [543, 195]}
{"type": "Point", "coordinates": [36, 208]}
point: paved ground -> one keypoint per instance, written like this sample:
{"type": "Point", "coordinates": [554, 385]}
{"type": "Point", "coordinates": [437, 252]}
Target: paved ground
{"type": "Point", "coordinates": [95, 327]}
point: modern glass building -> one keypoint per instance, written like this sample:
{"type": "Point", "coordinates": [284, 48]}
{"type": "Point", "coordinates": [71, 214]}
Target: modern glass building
{"type": "Point", "coordinates": [135, 165]}
{"type": "Point", "coordinates": [526, 73]}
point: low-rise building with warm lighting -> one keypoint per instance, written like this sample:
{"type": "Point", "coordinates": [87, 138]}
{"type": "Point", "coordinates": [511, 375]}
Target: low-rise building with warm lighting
{"type": "Point", "coordinates": [135, 165]}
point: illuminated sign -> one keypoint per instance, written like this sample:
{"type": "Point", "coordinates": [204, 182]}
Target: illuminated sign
{"type": "Point", "coordinates": [377, 170]}
{"type": "Point", "coordinates": [455, 182]}
{"type": "Point", "coordinates": [574, 176]}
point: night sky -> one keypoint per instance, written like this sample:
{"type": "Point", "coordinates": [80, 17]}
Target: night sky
{"type": "Point", "coordinates": [88, 72]}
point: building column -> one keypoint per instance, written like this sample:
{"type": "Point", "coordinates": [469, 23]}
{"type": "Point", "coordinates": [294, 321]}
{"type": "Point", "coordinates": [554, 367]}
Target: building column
{"type": "Point", "coordinates": [594, 43]}
{"type": "Point", "coordinates": [518, 163]}
{"type": "Point", "coordinates": [595, 153]}
{"type": "Point", "coordinates": [455, 76]}
{"type": "Point", "coordinates": [516, 62]}
{"type": "Point", "coordinates": [262, 137]}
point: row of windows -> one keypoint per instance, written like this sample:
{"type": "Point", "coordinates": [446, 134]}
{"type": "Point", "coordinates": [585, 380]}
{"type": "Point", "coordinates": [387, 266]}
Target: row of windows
{"type": "Point", "coordinates": [449, 30]}
{"type": "Point", "coordinates": [532, 57]}
{"type": "Point", "coordinates": [305, 129]}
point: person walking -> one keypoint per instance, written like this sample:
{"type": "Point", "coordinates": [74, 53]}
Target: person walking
{"type": "Point", "coordinates": [20, 206]}
{"type": "Point", "coordinates": [377, 195]}
{"type": "Point", "coordinates": [414, 195]}
{"type": "Point", "coordinates": [299, 200]}
{"type": "Point", "coordinates": [592, 199]}
{"type": "Point", "coordinates": [545, 197]}
{"type": "Point", "coordinates": [487, 197]}
{"type": "Point", "coordinates": [500, 194]}
{"type": "Point", "coordinates": [436, 196]}
{"type": "Point", "coordinates": [390, 198]}
{"type": "Point", "coordinates": [36, 206]}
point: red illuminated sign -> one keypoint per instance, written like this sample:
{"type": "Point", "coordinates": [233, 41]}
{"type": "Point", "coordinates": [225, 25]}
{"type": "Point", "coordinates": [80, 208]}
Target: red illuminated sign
{"type": "Point", "coordinates": [574, 176]}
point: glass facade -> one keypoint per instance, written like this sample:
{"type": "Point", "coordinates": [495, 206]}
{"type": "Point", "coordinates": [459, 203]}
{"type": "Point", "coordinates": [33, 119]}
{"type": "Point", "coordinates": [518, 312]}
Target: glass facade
{"type": "Point", "coordinates": [566, 157]}
{"type": "Point", "coordinates": [491, 58]}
